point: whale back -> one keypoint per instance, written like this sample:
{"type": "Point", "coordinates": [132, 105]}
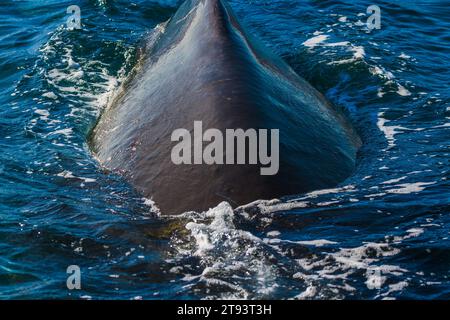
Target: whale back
{"type": "Point", "coordinates": [205, 67]}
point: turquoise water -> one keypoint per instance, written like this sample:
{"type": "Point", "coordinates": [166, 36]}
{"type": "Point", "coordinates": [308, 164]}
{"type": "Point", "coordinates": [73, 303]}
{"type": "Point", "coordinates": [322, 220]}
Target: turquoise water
{"type": "Point", "coordinates": [382, 233]}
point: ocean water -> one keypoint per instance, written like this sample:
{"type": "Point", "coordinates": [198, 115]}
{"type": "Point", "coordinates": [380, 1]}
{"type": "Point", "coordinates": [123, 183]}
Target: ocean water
{"type": "Point", "coordinates": [381, 234]}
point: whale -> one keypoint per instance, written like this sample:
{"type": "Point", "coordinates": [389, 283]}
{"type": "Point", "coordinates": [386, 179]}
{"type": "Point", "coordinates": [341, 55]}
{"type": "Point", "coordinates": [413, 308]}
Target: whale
{"type": "Point", "coordinates": [203, 66]}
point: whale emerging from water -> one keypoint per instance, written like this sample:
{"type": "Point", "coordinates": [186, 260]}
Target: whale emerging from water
{"type": "Point", "coordinates": [204, 67]}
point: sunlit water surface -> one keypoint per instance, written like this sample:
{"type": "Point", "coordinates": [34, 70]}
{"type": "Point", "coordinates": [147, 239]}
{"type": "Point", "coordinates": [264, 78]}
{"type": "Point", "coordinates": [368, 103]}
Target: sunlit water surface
{"type": "Point", "coordinates": [382, 233]}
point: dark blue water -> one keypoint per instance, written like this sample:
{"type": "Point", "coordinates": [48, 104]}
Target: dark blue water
{"type": "Point", "coordinates": [382, 234]}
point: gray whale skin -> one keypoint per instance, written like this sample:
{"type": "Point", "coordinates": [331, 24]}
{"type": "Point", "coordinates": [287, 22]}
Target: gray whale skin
{"type": "Point", "coordinates": [205, 67]}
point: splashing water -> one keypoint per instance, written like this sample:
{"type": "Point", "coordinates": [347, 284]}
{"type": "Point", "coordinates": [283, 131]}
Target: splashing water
{"type": "Point", "coordinates": [381, 234]}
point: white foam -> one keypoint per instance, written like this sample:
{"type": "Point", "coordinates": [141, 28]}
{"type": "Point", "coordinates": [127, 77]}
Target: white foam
{"type": "Point", "coordinates": [225, 250]}
{"type": "Point", "coordinates": [358, 52]}
{"type": "Point", "coordinates": [375, 280]}
{"type": "Point", "coordinates": [69, 175]}
{"type": "Point", "coordinates": [273, 234]}
{"type": "Point", "coordinates": [394, 180]}
{"type": "Point", "coordinates": [337, 44]}
{"type": "Point", "coordinates": [44, 114]}
{"type": "Point", "coordinates": [407, 188]}
{"type": "Point", "coordinates": [389, 131]}
{"type": "Point", "coordinates": [380, 71]}
{"type": "Point", "coordinates": [152, 204]}
{"type": "Point", "coordinates": [348, 261]}
{"type": "Point", "coordinates": [222, 221]}
{"type": "Point", "coordinates": [314, 41]}
{"type": "Point", "coordinates": [310, 292]}
{"type": "Point", "coordinates": [414, 232]}
{"type": "Point", "coordinates": [315, 194]}
{"type": "Point", "coordinates": [65, 132]}
{"type": "Point", "coordinates": [50, 95]}
{"type": "Point", "coordinates": [316, 243]}
{"type": "Point", "coordinates": [404, 56]}
{"type": "Point", "coordinates": [398, 286]}
{"type": "Point", "coordinates": [403, 91]}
